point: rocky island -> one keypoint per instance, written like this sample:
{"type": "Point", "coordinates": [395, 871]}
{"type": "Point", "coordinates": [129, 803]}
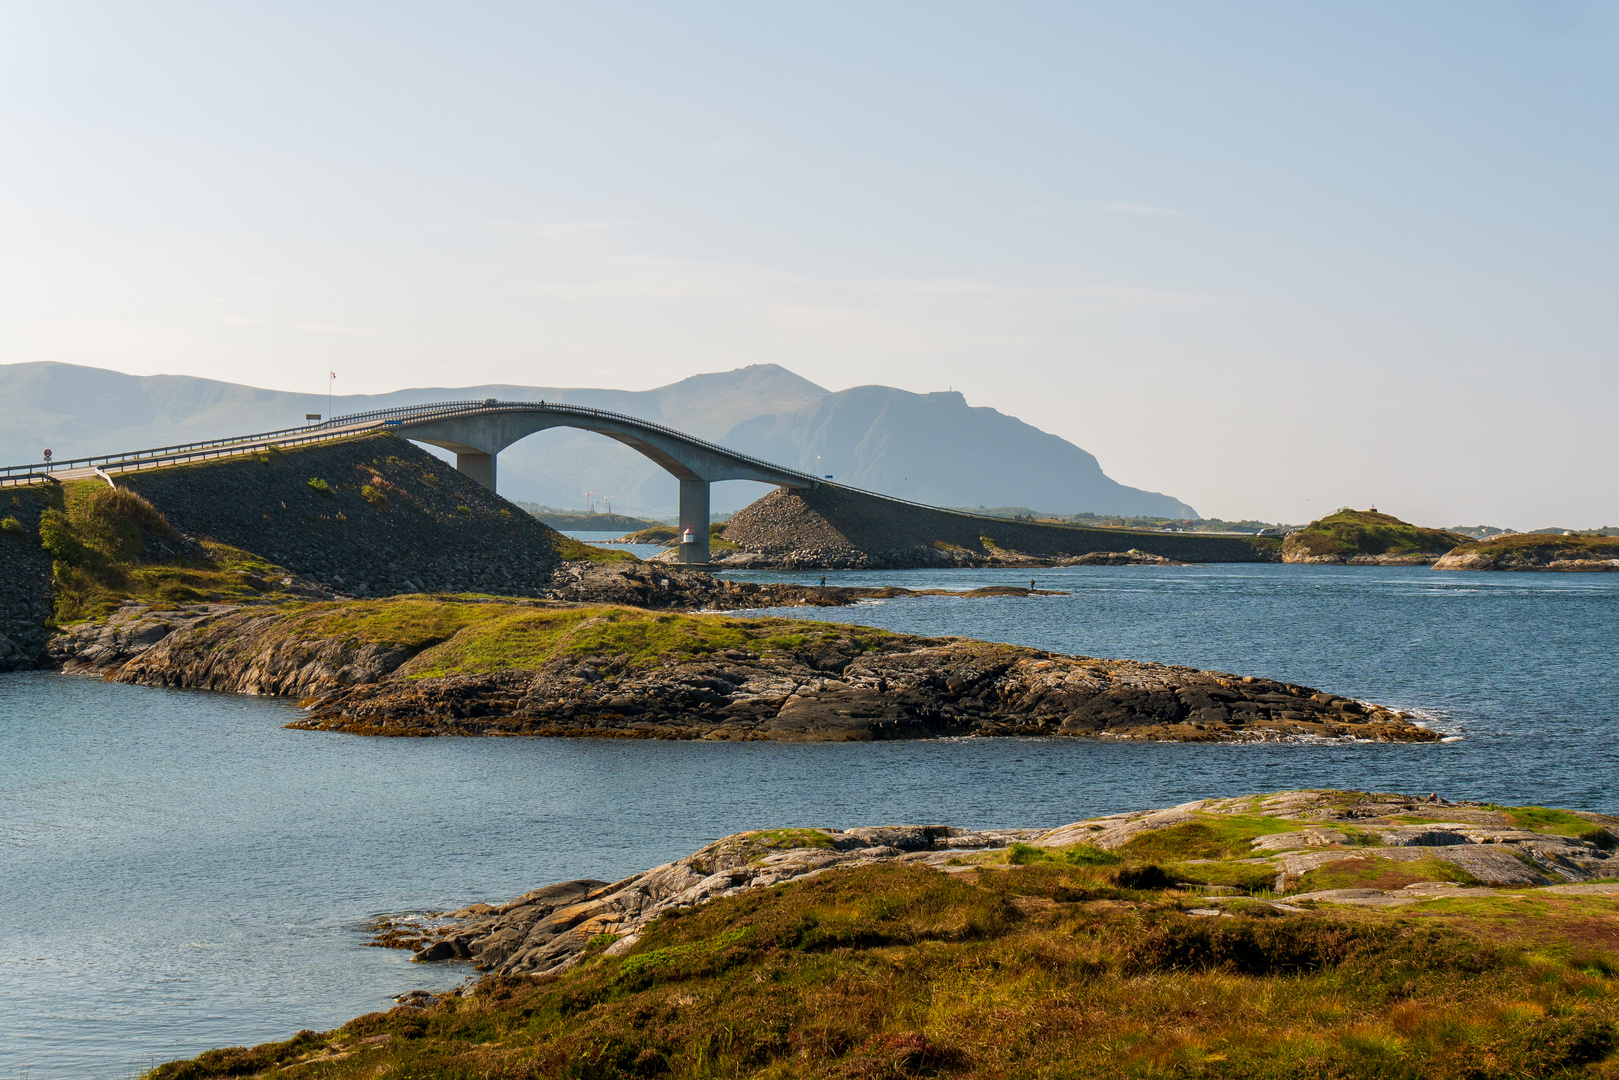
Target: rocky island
{"type": "Point", "coordinates": [481, 666]}
{"type": "Point", "coordinates": [1304, 933]}
{"type": "Point", "coordinates": [1535, 551]}
{"type": "Point", "coordinates": [1367, 538]}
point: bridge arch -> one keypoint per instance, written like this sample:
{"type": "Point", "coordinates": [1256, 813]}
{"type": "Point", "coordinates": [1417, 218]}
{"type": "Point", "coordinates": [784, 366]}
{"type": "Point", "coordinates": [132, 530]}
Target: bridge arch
{"type": "Point", "coordinates": [476, 432]}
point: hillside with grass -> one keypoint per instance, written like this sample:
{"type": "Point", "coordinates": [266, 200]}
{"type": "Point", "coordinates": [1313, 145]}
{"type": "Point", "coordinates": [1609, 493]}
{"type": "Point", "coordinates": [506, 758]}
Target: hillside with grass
{"type": "Point", "coordinates": [1535, 551]}
{"type": "Point", "coordinates": [1366, 537]}
{"type": "Point", "coordinates": [1167, 943]}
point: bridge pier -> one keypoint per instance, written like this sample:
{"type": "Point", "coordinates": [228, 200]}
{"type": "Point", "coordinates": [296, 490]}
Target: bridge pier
{"type": "Point", "coordinates": [480, 467]}
{"type": "Point", "coordinates": [694, 516]}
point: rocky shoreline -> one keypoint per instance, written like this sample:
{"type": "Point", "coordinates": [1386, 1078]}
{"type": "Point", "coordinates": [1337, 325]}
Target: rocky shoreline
{"type": "Point", "coordinates": [367, 667]}
{"type": "Point", "coordinates": [1536, 552]}
{"type": "Point", "coordinates": [548, 930]}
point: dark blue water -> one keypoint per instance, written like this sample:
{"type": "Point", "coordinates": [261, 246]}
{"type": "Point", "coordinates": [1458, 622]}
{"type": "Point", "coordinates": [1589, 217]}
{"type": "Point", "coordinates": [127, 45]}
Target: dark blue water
{"type": "Point", "coordinates": [177, 871]}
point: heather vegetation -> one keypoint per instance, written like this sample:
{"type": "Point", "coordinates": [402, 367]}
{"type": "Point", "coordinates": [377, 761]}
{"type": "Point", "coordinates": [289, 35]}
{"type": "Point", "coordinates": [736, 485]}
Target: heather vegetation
{"type": "Point", "coordinates": [1058, 964]}
{"type": "Point", "coordinates": [470, 635]}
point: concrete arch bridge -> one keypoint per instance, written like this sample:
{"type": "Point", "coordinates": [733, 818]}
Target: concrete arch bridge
{"type": "Point", "coordinates": [476, 432]}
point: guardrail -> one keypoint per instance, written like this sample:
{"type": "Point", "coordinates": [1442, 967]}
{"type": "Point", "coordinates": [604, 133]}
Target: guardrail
{"type": "Point", "coordinates": [129, 463]}
{"type": "Point", "coordinates": [119, 459]}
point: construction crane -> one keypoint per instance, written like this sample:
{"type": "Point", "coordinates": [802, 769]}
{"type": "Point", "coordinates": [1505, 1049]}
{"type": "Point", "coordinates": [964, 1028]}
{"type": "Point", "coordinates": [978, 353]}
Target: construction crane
{"type": "Point", "coordinates": [590, 504]}
{"type": "Point", "coordinates": [608, 500]}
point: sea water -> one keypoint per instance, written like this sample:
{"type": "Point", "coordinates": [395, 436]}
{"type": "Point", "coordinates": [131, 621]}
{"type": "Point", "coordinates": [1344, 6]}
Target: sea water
{"type": "Point", "coordinates": [179, 871]}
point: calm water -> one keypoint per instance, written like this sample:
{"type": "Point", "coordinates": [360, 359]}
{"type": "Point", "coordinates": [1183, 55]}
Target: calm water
{"type": "Point", "coordinates": [177, 871]}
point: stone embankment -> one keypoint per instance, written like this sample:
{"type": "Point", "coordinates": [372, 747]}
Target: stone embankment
{"type": "Point", "coordinates": [548, 930]}
{"type": "Point", "coordinates": [385, 518]}
{"type": "Point", "coordinates": [715, 677]}
{"type": "Point", "coordinates": [832, 527]}
{"type": "Point", "coordinates": [25, 581]}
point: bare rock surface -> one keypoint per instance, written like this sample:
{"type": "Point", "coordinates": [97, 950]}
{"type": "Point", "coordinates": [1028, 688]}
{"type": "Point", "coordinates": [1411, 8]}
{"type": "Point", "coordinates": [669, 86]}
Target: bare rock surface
{"type": "Point", "coordinates": [548, 929]}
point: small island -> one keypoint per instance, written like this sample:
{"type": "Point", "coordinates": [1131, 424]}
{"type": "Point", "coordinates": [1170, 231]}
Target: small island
{"type": "Point", "coordinates": [446, 665]}
{"type": "Point", "coordinates": [1535, 551]}
{"type": "Point", "coordinates": [1302, 933]}
{"type": "Point", "coordinates": [1368, 538]}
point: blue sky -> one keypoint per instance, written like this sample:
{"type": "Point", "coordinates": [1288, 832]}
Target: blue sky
{"type": "Point", "coordinates": [1271, 258]}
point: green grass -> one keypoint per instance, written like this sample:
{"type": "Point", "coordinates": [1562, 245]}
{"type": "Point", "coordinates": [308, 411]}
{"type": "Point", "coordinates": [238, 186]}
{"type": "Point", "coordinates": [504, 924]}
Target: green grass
{"type": "Point", "coordinates": [1559, 823]}
{"type": "Point", "coordinates": [453, 636]}
{"type": "Point", "coordinates": [579, 551]}
{"type": "Point", "coordinates": [1251, 878]}
{"type": "Point", "coordinates": [1368, 871]}
{"type": "Point", "coordinates": [1074, 855]}
{"type": "Point", "coordinates": [899, 971]}
{"type": "Point", "coordinates": [98, 537]}
{"type": "Point", "coordinates": [785, 839]}
{"type": "Point", "coordinates": [1212, 836]}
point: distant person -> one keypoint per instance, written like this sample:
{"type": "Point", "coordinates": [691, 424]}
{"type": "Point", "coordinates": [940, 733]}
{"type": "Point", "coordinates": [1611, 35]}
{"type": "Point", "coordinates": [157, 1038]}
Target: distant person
{"type": "Point", "coordinates": [1031, 584]}
{"type": "Point", "coordinates": [823, 581]}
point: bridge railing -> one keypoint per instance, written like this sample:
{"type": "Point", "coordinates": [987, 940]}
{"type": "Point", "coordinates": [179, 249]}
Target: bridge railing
{"type": "Point", "coordinates": [221, 448]}
{"type": "Point", "coordinates": [62, 465]}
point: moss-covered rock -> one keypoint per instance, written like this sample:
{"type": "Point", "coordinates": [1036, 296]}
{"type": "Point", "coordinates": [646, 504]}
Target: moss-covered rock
{"type": "Point", "coordinates": [1366, 537]}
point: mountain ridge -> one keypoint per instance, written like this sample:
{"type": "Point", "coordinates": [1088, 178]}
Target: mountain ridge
{"type": "Point", "coordinates": [932, 448]}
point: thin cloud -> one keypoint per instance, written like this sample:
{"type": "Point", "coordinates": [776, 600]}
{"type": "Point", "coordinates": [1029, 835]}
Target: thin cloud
{"type": "Point", "coordinates": [359, 331]}
{"type": "Point", "coordinates": [1135, 209]}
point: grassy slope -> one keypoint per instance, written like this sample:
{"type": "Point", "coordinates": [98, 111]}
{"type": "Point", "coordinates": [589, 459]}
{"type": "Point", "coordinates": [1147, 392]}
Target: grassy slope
{"type": "Point", "coordinates": [99, 536]}
{"type": "Point", "coordinates": [1362, 532]}
{"type": "Point", "coordinates": [473, 636]}
{"type": "Point", "coordinates": [102, 541]}
{"type": "Point", "coordinates": [1061, 964]}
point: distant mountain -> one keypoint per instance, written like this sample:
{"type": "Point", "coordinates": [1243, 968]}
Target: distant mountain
{"type": "Point", "coordinates": [937, 449]}
{"type": "Point", "coordinates": [932, 448]}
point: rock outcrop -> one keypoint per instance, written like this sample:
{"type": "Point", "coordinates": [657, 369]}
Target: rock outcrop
{"type": "Point", "coordinates": [833, 527]}
{"type": "Point", "coordinates": [548, 930]}
{"type": "Point", "coordinates": [1535, 551]}
{"type": "Point", "coordinates": [365, 668]}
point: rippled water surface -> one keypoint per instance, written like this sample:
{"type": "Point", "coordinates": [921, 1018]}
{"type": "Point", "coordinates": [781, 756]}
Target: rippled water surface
{"type": "Point", "coordinates": [177, 871]}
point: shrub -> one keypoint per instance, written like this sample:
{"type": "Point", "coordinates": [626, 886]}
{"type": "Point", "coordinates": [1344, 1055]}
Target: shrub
{"type": "Point", "coordinates": [1599, 836]}
{"type": "Point", "coordinates": [320, 487]}
{"type": "Point", "coordinates": [56, 536]}
{"type": "Point", "coordinates": [1141, 877]}
{"type": "Point", "coordinates": [376, 498]}
{"type": "Point", "coordinates": [12, 525]}
{"type": "Point", "coordinates": [464, 509]}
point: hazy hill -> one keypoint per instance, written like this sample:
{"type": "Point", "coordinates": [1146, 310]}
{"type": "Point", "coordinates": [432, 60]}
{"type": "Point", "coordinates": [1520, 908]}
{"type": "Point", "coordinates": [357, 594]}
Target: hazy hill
{"type": "Point", "coordinates": [937, 449]}
{"type": "Point", "coordinates": [928, 447]}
